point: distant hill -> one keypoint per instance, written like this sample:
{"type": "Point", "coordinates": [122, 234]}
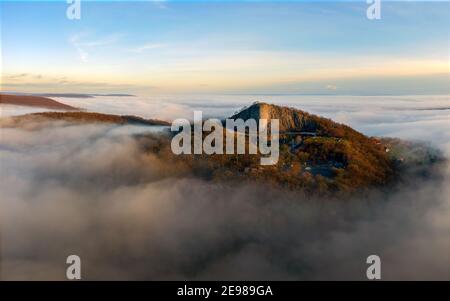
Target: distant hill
{"type": "Point", "coordinates": [80, 117]}
{"type": "Point", "coordinates": [71, 95]}
{"type": "Point", "coordinates": [34, 101]}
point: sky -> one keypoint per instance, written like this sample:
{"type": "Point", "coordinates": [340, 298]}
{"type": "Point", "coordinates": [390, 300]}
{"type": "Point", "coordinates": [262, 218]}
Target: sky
{"type": "Point", "coordinates": [261, 47]}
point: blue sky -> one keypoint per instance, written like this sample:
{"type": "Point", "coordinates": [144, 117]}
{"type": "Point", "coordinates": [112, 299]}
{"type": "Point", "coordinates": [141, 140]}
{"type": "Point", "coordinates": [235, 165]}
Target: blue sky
{"type": "Point", "coordinates": [226, 47]}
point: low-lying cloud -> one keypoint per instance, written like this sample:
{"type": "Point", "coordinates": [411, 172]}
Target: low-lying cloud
{"type": "Point", "coordinates": [416, 117]}
{"type": "Point", "coordinates": [91, 191]}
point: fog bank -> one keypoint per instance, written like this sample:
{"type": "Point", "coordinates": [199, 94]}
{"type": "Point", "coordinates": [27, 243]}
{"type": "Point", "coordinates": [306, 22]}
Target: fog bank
{"type": "Point", "coordinates": [91, 191]}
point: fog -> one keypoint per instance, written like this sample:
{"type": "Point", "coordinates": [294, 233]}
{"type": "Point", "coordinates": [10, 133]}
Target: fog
{"type": "Point", "coordinates": [91, 191]}
{"type": "Point", "coordinates": [414, 117]}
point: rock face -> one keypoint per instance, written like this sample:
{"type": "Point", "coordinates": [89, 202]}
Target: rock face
{"type": "Point", "coordinates": [289, 119]}
{"type": "Point", "coordinates": [293, 121]}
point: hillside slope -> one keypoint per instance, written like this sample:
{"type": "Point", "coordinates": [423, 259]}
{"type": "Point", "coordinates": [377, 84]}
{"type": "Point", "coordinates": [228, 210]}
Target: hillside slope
{"type": "Point", "coordinates": [34, 101]}
{"type": "Point", "coordinates": [78, 117]}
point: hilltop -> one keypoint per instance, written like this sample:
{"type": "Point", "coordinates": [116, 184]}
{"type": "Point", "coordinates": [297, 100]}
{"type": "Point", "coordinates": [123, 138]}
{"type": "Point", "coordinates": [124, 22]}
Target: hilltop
{"type": "Point", "coordinates": [292, 120]}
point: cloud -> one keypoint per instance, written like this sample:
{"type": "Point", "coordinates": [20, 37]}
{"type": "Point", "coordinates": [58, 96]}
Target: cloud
{"type": "Point", "coordinates": [92, 191]}
{"type": "Point", "coordinates": [21, 76]}
{"type": "Point", "coordinates": [82, 46]}
{"type": "Point", "coordinates": [331, 87]}
{"type": "Point", "coordinates": [15, 76]}
{"type": "Point", "coordinates": [146, 47]}
{"type": "Point", "coordinates": [82, 54]}
{"type": "Point", "coordinates": [414, 117]}
{"type": "Point", "coordinates": [43, 84]}
{"type": "Point", "coordinates": [162, 4]}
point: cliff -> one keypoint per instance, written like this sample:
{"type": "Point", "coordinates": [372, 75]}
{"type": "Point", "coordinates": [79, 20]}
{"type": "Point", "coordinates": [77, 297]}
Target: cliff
{"type": "Point", "coordinates": [290, 119]}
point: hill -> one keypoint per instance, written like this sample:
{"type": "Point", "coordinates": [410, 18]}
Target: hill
{"type": "Point", "coordinates": [317, 155]}
{"type": "Point", "coordinates": [317, 147]}
{"type": "Point", "coordinates": [34, 101]}
{"type": "Point", "coordinates": [79, 117]}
